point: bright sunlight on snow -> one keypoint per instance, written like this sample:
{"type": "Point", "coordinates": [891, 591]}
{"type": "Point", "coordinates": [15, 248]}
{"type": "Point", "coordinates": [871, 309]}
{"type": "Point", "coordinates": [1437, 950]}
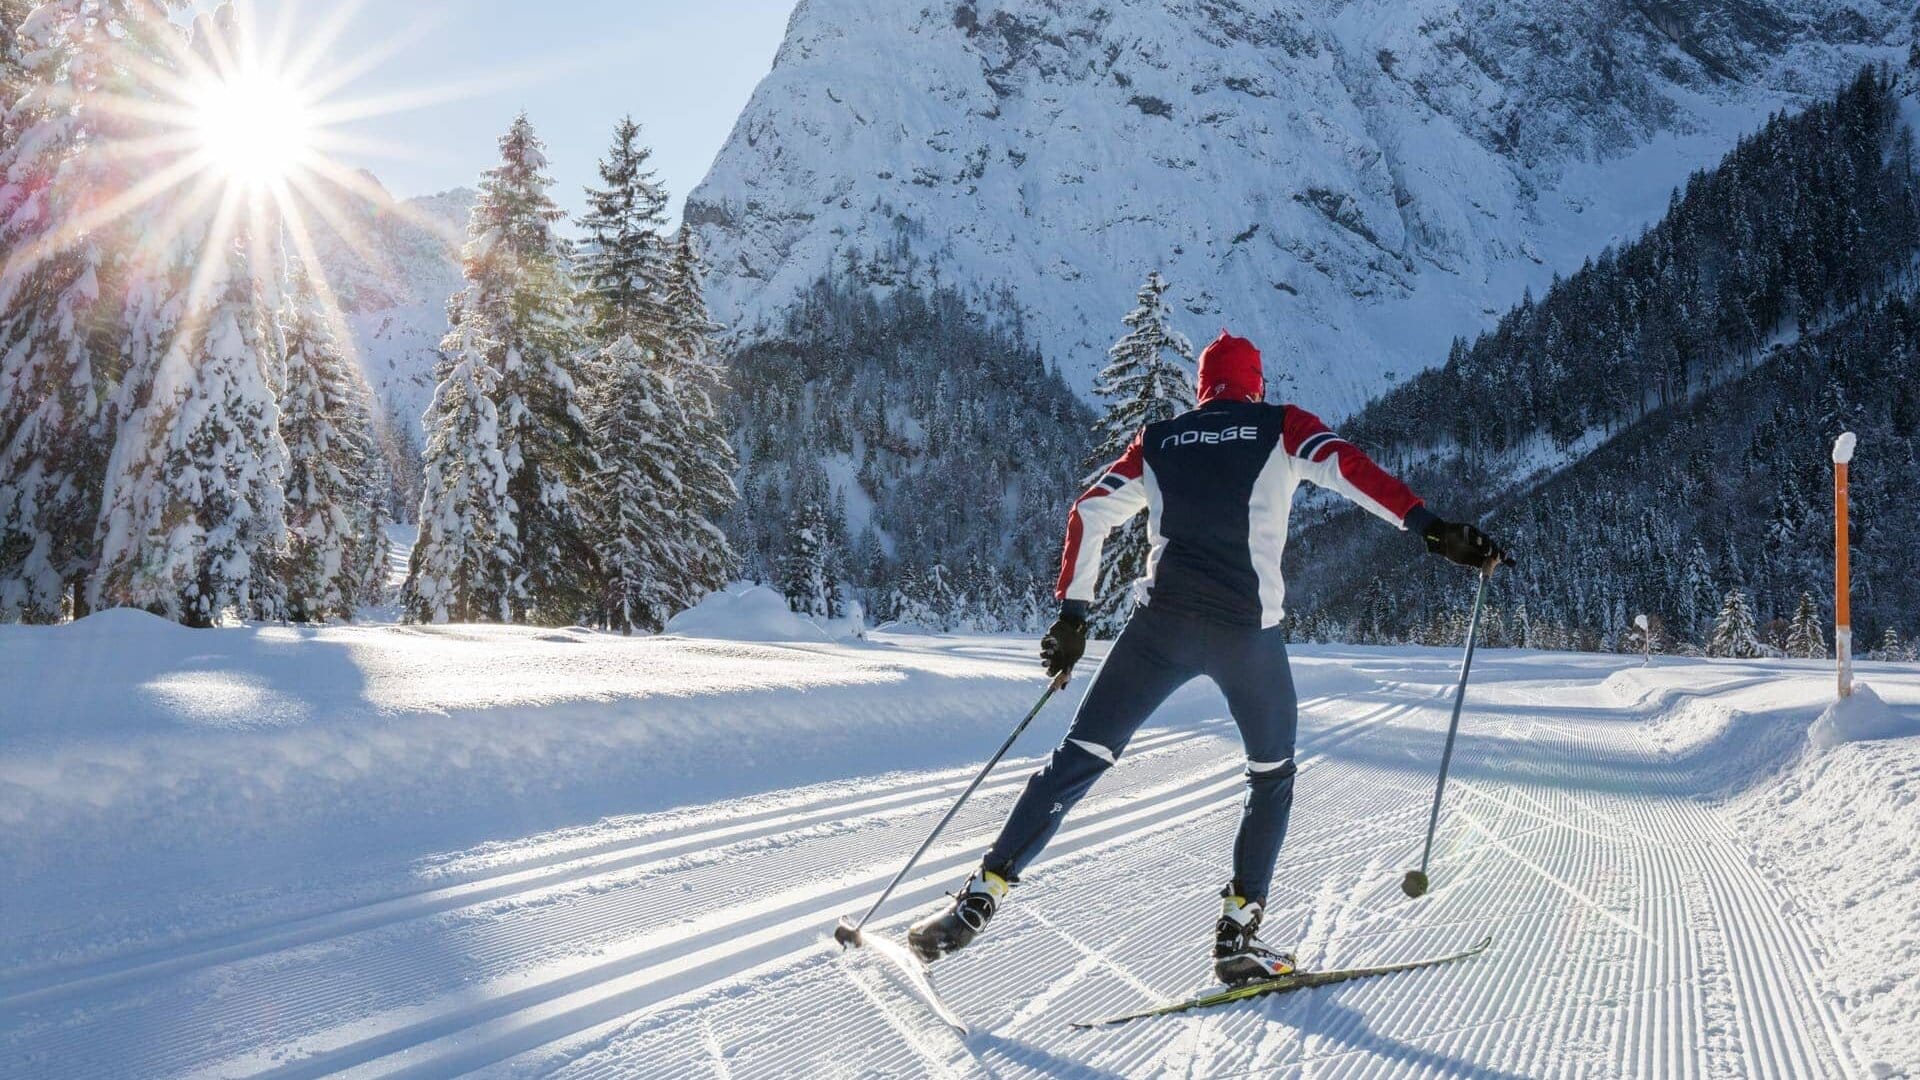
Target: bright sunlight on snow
{"type": "Point", "coordinates": [572, 854]}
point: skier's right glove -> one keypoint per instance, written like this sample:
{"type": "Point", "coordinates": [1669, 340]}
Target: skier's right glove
{"type": "Point", "coordinates": [1463, 543]}
{"type": "Point", "coordinates": [1065, 643]}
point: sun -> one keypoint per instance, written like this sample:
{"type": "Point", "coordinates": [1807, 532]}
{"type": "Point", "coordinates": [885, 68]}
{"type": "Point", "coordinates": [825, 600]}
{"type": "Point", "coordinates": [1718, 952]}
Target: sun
{"type": "Point", "coordinates": [252, 127]}
{"type": "Point", "coordinates": [240, 132]}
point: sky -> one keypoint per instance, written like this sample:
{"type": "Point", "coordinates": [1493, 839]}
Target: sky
{"type": "Point", "coordinates": [464, 67]}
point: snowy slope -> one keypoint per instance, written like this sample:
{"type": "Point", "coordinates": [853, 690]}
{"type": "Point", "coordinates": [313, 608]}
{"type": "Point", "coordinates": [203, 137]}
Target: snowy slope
{"type": "Point", "coordinates": [392, 282]}
{"type": "Point", "coordinates": [1351, 182]}
{"type": "Point", "coordinates": [421, 852]}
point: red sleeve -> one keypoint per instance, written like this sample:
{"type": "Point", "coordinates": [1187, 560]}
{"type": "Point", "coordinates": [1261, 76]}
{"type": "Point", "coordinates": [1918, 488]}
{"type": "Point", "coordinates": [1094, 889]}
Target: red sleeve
{"type": "Point", "coordinates": [1077, 559]}
{"type": "Point", "coordinates": [1331, 461]}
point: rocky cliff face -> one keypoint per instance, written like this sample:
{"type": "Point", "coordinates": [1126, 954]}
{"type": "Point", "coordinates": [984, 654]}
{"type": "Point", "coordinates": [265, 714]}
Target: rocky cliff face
{"type": "Point", "coordinates": [392, 284]}
{"type": "Point", "coordinates": [1350, 182]}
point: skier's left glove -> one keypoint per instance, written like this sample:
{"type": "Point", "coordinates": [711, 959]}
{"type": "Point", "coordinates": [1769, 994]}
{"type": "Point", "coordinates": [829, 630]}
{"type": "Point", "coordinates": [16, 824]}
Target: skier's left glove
{"type": "Point", "coordinates": [1462, 543]}
{"type": "Point", "coordinates": [1065, 643]}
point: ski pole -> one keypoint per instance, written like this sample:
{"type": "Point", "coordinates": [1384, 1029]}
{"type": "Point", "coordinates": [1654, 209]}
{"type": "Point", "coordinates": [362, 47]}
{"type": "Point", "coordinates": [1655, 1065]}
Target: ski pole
{"type": "Point", "coordinates": [1415, 883]}
{"type": "Point", "coordinates": [848, 932]}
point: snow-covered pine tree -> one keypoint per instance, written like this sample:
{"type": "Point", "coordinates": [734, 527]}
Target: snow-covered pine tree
{"type": "Point", "coordinates": [634, 491]}
{"type": "Point", "coordinates": [641, 290]}
{"type": "Point", "coordinates": [336, 511]}
{"type": "Point", "coordinates": [705, 460]}
{"type": "Point", "coordinates": [623, 263]}
{"type": "Point", "coordinates": [1805, 639]}
{"type": "Point", "coordinates": [1148, 377]}
{"type": "Point", "coordinates": [518, 306]}
{"type": "Point", "coordinates": [372, 556]}
{"type": "Point", "coordinates": [1891, 649]}
{"type": "Point", "coordinates": [1734, 634]}
{"type": "Point", "coordinates": [1697, 593]}
{"type": "Point", "coordinates": [806, 577]}
{"type": "Point", "coordinates": [465, 564]}
{"type": "Point", "coordinates": [13, 70]}
{"type": "Point", "coordinates": [71, 96]}
{"type": "Point", "coordinates": [192, 523]}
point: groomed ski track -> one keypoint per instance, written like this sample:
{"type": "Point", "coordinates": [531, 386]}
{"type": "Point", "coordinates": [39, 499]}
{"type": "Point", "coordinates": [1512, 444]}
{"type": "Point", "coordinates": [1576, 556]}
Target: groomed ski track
{"type": "Point", "coordinates": [1633, 933]}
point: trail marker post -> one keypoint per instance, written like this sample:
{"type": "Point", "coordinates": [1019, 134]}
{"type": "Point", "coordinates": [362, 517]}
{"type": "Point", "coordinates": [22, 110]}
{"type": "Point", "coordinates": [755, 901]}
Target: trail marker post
{"type": "Point", "coordinates": [1646, 640]}
{"type": "Point", "coordinates": [1842, 616]}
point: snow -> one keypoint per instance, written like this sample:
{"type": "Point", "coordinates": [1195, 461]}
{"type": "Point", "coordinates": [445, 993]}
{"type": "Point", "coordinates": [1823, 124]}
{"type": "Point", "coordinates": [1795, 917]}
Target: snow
{"type": "Point", "coordinates": [748, 612]}
{"type": "Point", "coordinates": [1843, 448]}
{"type": "Point", "coordinates": [1351, 183]}
{"type": "Point", "coordinates": [439, 850]}
{"type": "Point", "coordinates": [1862, 715]}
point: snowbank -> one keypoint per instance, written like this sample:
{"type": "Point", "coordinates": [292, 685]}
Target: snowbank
{"type": "Point", "coordinates": [1861, 717]}
{"type": "Point", "coordinates": [1839, 829]}
{"type": "Point", "coordinates": [756, 613]}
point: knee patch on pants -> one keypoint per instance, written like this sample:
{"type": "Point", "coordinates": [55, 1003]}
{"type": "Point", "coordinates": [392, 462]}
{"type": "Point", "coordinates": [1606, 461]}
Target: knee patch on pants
{"type": "Point", "coordinates": [1268, 772]}
{"type": "Point", "coordinates": [1107, 757]}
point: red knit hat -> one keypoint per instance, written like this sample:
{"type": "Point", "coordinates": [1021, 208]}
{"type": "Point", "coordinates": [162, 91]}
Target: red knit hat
{"type": "Point", "coordinates": [1230, 368]}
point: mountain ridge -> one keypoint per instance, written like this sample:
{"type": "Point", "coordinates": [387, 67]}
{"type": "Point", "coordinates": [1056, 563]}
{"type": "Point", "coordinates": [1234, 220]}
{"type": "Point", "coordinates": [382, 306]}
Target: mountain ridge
{"type": "Point", "coordinates": [1350, 182]}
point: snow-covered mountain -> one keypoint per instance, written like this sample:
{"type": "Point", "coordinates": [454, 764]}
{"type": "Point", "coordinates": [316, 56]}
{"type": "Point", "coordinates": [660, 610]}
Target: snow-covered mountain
{"type": "Point", "coordinates": [1351, 182]}
{"type": "Point", "coordinates": [392, 283]}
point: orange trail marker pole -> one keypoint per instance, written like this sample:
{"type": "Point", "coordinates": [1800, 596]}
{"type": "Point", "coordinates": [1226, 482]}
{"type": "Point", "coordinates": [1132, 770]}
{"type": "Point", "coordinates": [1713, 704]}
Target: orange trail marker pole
{"type": "Point", "coordinates": [1842, 616]}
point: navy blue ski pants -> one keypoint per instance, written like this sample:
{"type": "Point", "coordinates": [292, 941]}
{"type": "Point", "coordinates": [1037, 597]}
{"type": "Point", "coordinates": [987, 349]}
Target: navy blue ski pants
{"type": "Point", "coordinates": [1155, 655]}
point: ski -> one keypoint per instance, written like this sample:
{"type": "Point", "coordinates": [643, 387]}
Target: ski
{"type": "Point", "coordinates": [914, 974]}
{"type": "Point", "coordinates": [1299, 980]}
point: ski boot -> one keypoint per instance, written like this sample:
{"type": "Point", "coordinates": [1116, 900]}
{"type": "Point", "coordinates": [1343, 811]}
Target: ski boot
{"type": "Point", "coordinates": [972, 909]}
{"type": "Point", "coordinates": [1238, 954]}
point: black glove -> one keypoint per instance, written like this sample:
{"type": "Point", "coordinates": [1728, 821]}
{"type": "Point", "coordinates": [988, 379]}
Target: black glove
{"type": "Point", "coordinates": [1464, 544]}
{"type": "Point", "coordinates": [1065, 643]}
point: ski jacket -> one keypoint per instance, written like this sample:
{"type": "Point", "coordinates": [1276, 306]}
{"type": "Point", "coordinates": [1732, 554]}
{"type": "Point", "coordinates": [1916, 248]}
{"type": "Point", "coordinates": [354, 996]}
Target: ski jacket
{"type": "Point", "coordinates": [1217, 483]}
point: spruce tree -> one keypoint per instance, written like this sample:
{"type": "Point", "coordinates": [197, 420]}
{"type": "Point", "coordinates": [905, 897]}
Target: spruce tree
{"type": "Point", "coordinates": [518, 312]}
{"type": "Point", "coordinates": [623, 264]}
{"type": "Point", "coordinates": [1148, 377]}
{"type": "Point", "coordinates": [634, 492]}
{"type": "Point", "coordinates": [1697, 594]}
{"type": "Point", "coordinates": [336, 513]}
{"type": "Point", "coordinates": [1805, 639]}
{"type": "Point", "coordinates": [193, 524]}
{"type": "Point", "coordinates": [805, 573]}
{"type": "Point", "coordinates": [72, 93]}
{"type": "Point", "coordinates": [705, 460]}
{"type": "Point", "coordinates": [640, 289]}
{"type": "Point", "coordinates": [1733, 634]}
{"type": "Point", "coordinates": [1889, 647]}
{"type": "Point", "coordinates": [13, 69]}
{"type": "Point", "coordinates": [465, 564]}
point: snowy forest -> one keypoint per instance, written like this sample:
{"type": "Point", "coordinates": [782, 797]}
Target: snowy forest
{"type": "Point", "coordinates": [904, 454]}
{"type": "Point", "coordinates": [1720, 354]}
{"type": "Point", "coordinates": [184, 427]}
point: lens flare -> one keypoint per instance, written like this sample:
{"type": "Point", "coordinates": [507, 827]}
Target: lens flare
{"type": "Point", "coordinates": [252, 127]}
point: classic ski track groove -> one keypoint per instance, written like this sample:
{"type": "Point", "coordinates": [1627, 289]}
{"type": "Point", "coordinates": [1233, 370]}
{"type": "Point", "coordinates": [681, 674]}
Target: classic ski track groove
{"type": "Point", "coordinates": [496, 1030]}
{"type": "Point", "coordinates": [1713, 979]}
{"type": "Point", "coordinates": [1706, 978]}
{"type": "Point", "coordinates": [39, 987]}
{"type": "Point", "coordinates": [1191, 788]}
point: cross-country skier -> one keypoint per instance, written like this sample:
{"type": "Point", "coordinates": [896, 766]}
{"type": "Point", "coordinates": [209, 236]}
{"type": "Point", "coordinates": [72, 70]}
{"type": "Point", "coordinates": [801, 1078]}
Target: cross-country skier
{"type": "Point", "coordinates": [1217, 483]}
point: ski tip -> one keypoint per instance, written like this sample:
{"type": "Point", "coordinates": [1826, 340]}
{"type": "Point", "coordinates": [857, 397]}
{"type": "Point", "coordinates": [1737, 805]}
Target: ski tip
{"type": "Point", "coordinates": [1483, 944]}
